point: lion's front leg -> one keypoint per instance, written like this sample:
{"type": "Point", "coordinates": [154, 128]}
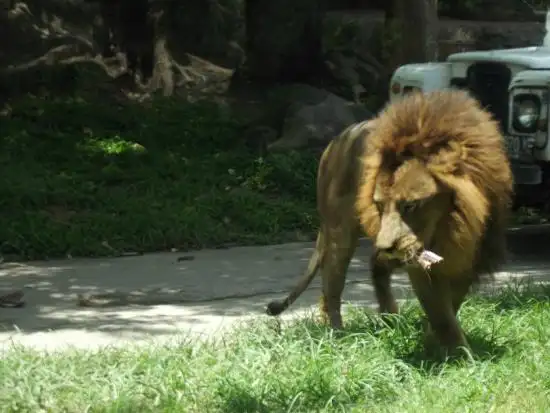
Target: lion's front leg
{"type": "Point", "coordinates": [459, 288]}
{"type": "Point", "coordinates": [436, 298]}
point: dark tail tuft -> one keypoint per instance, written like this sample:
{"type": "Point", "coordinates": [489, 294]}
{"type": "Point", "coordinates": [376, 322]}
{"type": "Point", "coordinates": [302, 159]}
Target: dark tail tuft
{"type": "Point", "coordinates": [276, 307]}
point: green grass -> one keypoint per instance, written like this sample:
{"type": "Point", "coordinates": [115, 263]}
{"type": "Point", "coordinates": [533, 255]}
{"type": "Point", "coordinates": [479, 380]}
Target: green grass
{"type": "Point", "coordinates": [80, 174]}
{"type": "Point", "coordinates": [303, 367]}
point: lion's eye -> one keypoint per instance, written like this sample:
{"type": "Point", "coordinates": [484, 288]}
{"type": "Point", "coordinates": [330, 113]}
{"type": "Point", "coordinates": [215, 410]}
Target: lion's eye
{"type": "Point", "coordinates": [407, 207]}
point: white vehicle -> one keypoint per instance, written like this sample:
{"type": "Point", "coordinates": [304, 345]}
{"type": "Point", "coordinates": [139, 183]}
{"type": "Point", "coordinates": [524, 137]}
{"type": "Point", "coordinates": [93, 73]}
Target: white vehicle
{"type": "Point", "coordinates": [514, 85]}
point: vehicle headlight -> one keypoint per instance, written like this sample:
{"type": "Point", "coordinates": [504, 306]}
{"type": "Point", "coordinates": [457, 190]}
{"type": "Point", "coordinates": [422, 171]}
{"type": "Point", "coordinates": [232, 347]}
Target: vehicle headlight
{"type": "Point", "coordinates": [526, 113]}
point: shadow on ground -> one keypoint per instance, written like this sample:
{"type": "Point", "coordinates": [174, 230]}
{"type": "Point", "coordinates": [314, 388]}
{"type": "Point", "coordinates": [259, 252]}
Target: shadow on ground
{"type": "Point", "coordinates": [208, 283]}
{"type": "Point", "coordinates": [212, 286]}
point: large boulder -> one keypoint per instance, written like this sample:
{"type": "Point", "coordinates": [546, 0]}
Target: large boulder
{"type": "Point", "coordinates": [315, 117]}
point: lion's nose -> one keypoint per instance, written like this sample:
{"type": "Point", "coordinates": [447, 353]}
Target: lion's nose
{"type": "Point", "coordinates": [389, 234]}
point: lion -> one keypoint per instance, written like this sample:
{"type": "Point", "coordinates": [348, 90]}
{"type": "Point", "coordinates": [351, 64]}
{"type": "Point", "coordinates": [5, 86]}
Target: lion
{"type": "Point", "coordinates": [429, 172]}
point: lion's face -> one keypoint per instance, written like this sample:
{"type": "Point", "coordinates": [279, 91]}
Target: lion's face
{"type": "Point", "coordinates": [410, 204]}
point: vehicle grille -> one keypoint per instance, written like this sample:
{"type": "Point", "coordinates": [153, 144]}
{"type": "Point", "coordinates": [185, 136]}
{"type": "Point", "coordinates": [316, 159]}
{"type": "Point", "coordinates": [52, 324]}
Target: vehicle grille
{"type": "Point", "coordinates": [488, 82]}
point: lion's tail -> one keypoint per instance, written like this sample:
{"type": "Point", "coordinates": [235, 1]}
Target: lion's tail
{"type": "Point", "coordinates": [276, 307]}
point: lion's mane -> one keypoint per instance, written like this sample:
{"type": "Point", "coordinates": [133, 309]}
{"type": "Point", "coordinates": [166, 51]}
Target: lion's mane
{"type": "Point", "coordinates": [462, 147]}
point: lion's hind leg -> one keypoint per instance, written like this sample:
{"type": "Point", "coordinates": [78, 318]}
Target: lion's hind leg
{"type": "Point", "coordinates": [339, 249]}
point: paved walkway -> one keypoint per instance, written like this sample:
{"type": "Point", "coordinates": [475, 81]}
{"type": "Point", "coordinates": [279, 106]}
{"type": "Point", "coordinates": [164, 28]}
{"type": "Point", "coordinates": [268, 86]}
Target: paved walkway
{"type": "Point", "coordinates": [219, 287]}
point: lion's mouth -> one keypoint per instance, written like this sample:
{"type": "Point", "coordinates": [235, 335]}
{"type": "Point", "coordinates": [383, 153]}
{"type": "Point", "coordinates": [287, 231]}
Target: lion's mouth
{"type": "Point", "coordinates": [405, 256]}
{"type": "Point", "coordinates": [411, 257]}
{"type": "Point", "coordinates": [415, 254]}
{"type": "Point", "coordinates": [412, 254]}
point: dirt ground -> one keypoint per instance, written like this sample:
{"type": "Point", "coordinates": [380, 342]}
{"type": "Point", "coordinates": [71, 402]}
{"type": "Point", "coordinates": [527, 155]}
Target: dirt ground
{"type": "Point", "coordinates": [208, 290]}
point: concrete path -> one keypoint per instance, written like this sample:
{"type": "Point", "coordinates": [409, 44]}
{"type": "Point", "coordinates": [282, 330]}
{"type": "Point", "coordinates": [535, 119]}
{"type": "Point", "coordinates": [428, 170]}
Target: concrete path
{"type": "Point", "coordinates": [219, 288]}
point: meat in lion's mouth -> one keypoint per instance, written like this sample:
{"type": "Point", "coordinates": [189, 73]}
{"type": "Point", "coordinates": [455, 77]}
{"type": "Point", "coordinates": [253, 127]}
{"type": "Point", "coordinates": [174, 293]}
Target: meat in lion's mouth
{"type": "Point", "coordinates": [427, 258]}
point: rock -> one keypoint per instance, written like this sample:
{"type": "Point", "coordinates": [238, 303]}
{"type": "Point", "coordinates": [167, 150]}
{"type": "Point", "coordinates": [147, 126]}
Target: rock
{"type": "Point", "coordinates": [258, 137]}
{"type": "Point", "coordinates": [316, 124]}
{"type": "Point", "coordinates": [298, 93]}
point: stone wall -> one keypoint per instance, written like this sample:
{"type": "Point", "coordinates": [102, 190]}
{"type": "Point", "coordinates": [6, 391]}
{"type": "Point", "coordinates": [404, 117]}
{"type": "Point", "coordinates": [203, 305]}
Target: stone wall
{"type": "Point", "coordinates": [491, 35]}
{"type": "Point", "coordinates": [500, 10]}
{"type": "Point", "coordinates": [454, 35]}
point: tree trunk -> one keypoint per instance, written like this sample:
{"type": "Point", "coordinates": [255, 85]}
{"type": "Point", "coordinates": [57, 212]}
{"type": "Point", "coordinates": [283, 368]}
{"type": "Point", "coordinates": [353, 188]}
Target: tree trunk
{"type": "Point", "coordinates": [127, 25]}
{"type": "Point", "coordinates": [421, 30]}
{"type": "Point", "coordinates": [411, 31]}
{"type": "Point", "coordinates": [140, 29]}
{"type": "Point", "coordinates": [283, 40]}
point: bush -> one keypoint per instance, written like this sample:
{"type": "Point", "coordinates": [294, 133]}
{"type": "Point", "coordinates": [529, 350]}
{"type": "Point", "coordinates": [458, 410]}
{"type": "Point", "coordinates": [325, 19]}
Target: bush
{"type": "Point", "coordinates": [86, 178]}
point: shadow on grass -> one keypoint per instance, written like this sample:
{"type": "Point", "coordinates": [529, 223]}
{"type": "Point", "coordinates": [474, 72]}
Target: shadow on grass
{"type": "Point", "coordinates": [240, 400]}
{"type": "Point", "coordinates": [413, 349]}
{"type": "Point", "coordinates": [403, 336]}
{"type": "Point", "coordinates": [431, 359]}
